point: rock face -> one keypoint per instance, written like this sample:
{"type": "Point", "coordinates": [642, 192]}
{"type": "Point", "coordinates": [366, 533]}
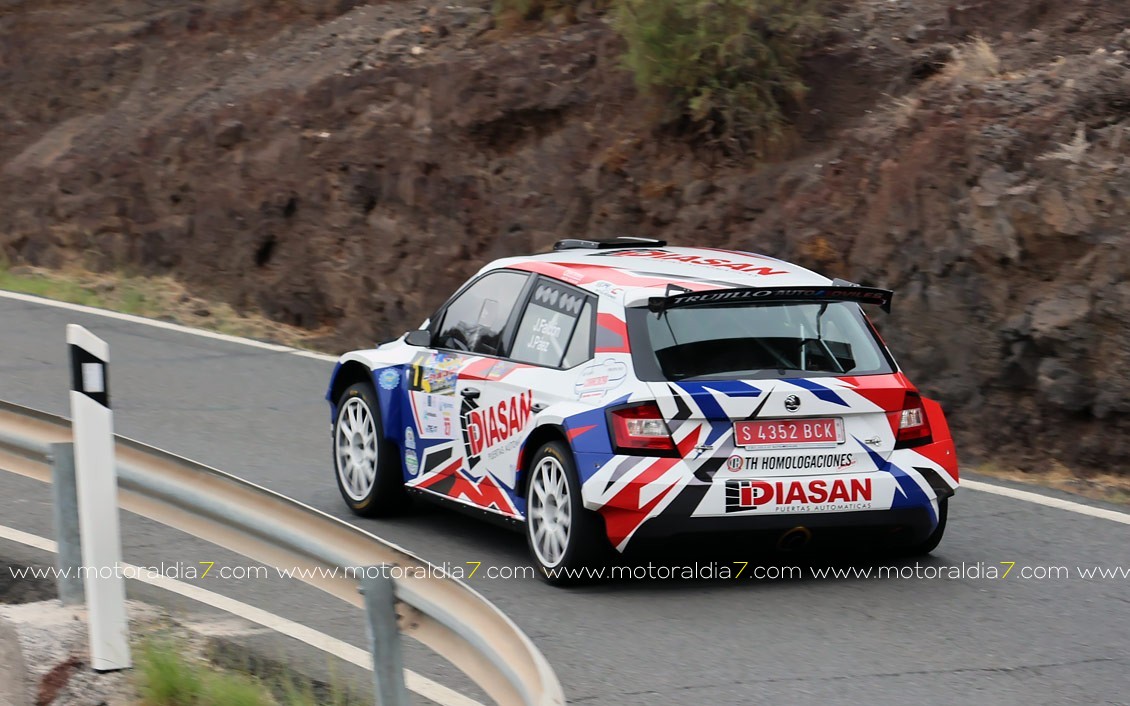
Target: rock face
{"type": "Point", "coordinates": [336, 162]}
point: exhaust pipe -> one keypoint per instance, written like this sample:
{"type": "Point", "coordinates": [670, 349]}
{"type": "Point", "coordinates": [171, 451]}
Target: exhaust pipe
{"type": "Point", "coordinates": [795, 538]}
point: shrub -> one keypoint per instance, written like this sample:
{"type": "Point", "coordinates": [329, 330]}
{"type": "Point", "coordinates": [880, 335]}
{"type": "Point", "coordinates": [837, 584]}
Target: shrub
{"type": "Point", "coordinates": [729, 67]}
{"type": "Point", "coordinates": [166, 678]}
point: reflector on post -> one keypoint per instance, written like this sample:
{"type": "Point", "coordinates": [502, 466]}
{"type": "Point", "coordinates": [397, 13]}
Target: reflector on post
{"type": "Point", "coordinates": [97, 485]}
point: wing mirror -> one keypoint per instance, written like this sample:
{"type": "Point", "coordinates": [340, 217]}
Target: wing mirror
{"type": "Point", "coordinates": [420, 337]}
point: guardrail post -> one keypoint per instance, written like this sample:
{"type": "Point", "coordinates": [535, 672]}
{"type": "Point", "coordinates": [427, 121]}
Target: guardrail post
{"type": "Point", "coordinates": [68, 558]}
{"type": "Point", "coordinates": [384, 637]}
{"type": "Point", "coordinates": [97, 485]}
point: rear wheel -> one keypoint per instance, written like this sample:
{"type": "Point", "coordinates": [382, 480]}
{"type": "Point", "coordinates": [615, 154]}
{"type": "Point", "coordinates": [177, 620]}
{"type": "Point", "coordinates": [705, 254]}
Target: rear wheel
{"type": "Point", "coordinates": [564, 538]}
{"type": "Point", "coordinates": [931, 543]}
{"type": "Point", "coordinates": [365, 463]}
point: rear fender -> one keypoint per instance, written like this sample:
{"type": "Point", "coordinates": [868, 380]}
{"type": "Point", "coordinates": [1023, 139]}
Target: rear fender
{"type": "Point", "coordinates": [942, 450]}
{"type": "Point", "coordinates": [584, 427]}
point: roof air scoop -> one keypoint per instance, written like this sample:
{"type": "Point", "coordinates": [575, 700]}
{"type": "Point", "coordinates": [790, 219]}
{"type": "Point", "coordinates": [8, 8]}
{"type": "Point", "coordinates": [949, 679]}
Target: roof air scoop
{"type": "Point", "coordinates": [608, 243]}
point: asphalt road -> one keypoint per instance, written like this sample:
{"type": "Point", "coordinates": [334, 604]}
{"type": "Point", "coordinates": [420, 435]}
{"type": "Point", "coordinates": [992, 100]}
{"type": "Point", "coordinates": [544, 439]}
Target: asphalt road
{"type": "Point", "coordinates": [260, 414]}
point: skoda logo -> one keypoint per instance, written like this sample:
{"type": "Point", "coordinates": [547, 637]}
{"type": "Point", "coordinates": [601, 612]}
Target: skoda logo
{"type": "Point", "coordinates": [792, 403]}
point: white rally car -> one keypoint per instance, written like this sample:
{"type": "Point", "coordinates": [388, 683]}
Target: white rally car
{"type": "Point", "coordinates": [611, 390]}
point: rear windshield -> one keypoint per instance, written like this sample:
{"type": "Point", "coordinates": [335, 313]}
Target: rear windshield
{"type": "Point", "coordinates": [755, 341]}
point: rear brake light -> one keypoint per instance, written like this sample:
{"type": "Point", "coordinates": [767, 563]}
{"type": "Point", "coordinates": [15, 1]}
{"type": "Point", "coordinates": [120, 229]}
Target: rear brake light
{"type": "Point", "coordinates": [912, 427]}
{"type": "Point", "coordinates": [639, 428]}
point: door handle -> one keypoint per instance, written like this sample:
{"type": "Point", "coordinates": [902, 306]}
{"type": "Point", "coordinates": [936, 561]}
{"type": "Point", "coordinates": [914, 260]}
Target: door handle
{"type": "Point", "coordinates": [538, 406]}
{"type": "Point", "coordinates": [471, 393]}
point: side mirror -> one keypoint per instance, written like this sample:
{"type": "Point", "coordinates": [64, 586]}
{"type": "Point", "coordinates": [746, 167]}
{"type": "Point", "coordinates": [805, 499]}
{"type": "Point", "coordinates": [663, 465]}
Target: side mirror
{"type": "Point", "coordinates": [421, 337]}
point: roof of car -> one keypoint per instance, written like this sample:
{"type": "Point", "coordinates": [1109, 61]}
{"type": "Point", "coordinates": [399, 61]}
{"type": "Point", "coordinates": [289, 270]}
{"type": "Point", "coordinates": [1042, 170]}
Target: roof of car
{"type": "Point", "coordinates": [698, 269]}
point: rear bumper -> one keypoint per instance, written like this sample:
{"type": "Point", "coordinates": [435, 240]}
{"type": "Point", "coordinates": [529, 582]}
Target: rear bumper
{"type": "Point", "coordinates": [896, 499]}
{"type": "Point", "coordinates": [904, 525]}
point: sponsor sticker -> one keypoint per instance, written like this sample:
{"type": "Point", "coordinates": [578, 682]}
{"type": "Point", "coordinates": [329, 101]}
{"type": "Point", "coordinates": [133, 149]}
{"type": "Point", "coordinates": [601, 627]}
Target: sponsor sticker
{"type": "Point", "coordinates": [806, 462]}
{"type": "Point", "coordinates": [435, 373]}
{"type": "Point", "coordinates": [716, 262]}
{"type": "Point", "coordinates": [488, 428]}
{"type": "Point", "coordinates": [606, 287]}
{"type": "Point", "coordinates": [596, 379]}
{"type": "Point", "coordinates": [411, 463]}
{"type": "Point", "coordinates": [572, 277]}
{"type": "Point", "coordinates": [409, 438]}
{"type": "Point", "coordinates": [389, 378]}
{"type": "Point", "coordinates": [434, 414]}
{"type": "Point", "coordinates": [801, 495]}
{"type": "Point", "coordinates": [501, 369]}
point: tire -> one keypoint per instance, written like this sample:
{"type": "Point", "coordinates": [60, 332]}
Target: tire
{"type": "Point", "coordinates": [931, 543]}
{"type": "Point", "coordinates": [564, 538]}
{"type": "Point", "coordinates": [366, 465]}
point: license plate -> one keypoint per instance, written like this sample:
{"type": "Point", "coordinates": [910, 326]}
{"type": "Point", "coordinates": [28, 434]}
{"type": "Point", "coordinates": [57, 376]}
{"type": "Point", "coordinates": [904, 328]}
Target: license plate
{"type": "Point", "coordinates": [789, 433]}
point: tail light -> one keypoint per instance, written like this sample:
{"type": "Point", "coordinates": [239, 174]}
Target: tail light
{"type": "Point", "coordinates": [639, 430]}
{"type": "Point", "coordinates": [912, 428]}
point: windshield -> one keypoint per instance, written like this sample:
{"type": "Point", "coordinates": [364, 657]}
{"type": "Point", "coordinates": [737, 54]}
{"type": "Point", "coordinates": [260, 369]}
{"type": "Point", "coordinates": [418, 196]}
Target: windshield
{"type": "Point", "coordinates": [755, 340]}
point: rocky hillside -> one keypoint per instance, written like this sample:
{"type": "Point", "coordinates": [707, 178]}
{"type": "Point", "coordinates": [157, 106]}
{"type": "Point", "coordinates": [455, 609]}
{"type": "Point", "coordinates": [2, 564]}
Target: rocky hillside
{"type": "Point", "coordinates": [348, 163]}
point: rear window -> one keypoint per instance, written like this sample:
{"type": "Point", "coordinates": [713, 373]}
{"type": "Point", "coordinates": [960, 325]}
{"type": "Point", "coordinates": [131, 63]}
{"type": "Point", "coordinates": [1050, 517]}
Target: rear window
{"type": "Point", "coordinates": [755, 341]}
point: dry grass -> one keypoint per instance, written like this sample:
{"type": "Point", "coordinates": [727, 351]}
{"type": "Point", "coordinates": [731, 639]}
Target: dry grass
{"type": "Point", "coordinates": [1073, 151]}
{"type": "Point", "coordinates": [617, 156]}
{"type": "Point", "coordinates": [974, 62]}
{"type": "Point", "coordinates": [657, 189]}
{"type": "Point", "coordinates": [903, 110]}
{"type": "Point", "coordinates": [1101, 486]}
{"type": "Point", "coordinates": [153, 297]}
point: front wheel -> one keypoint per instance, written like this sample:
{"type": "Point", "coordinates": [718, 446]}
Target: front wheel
{"type": "Point", "coordinates": [365, 463]}
{"type": "Point", "coordinates": [566, 541]}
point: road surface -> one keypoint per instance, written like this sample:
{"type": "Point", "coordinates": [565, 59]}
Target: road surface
{"type": "Point", "coordinates": [970, 639]}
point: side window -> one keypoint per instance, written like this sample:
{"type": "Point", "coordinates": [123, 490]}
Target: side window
{"type": "Point", "coordinates": [580, 347]}
{"type": "Point", "coordinates": [557, 321]}
{"type": "Point", "coordinates": [475, 320]}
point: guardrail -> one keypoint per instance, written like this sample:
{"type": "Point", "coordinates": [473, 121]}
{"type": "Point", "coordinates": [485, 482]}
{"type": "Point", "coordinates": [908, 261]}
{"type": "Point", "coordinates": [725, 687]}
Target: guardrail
{"type": "Point", "coordinates": [441, 612]}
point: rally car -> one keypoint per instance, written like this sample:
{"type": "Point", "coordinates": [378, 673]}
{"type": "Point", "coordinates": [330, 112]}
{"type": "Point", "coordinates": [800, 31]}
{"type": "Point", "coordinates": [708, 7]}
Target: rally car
{"type": "Point", "coordinates": [616, 389]}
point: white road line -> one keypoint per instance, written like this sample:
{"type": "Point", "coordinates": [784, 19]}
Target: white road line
{"type": "Point", "coordinates": [418, 683]}
{"type": "Point", "coordinates": [1024, 495]}
{"type": "Point", "coordinates": [31, 540]}
{"type": "Point", "coordinates": [179, 328]}
{"type": "Point", "coordinates": [1048, 501]}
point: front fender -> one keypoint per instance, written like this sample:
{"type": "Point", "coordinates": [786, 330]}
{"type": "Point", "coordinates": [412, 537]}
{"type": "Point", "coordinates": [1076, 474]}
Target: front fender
{"type": "Point", "coordinates": [385, 370]}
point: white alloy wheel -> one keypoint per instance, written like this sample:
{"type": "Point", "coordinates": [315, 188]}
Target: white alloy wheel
{"type": "Point", "coordinates": [550, 512]}
{"type": "Point", "coordinates": [356, 449]}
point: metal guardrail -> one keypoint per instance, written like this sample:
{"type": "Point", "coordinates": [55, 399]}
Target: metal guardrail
{"type": "Point", "coordinates": [443, 613]}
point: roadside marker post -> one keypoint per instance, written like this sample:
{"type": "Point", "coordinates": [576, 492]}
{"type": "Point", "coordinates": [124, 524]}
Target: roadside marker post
{"type": "Point", "coordinates": [97, 486]}
{"type": "Point", "coordinates": [384, 638]}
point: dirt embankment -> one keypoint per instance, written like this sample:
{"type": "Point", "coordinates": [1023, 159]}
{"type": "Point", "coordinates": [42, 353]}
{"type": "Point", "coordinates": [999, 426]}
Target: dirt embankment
{"type": "Point", "coordinates": [348, 164]}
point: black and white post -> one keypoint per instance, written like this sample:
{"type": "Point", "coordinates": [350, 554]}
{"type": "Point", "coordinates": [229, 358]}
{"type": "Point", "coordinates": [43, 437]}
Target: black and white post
{"type": "Point", "coordinates": [93, 427]}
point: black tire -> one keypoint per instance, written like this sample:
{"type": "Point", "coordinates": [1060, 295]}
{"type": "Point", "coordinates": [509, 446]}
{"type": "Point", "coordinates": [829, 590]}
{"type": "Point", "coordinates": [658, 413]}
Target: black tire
{"type": "Point", "coordinates": [585, 541]}
{"type": "Point", "coordinates": [931, 543]}
{"type": "Point", "coordinates": [385, 494]}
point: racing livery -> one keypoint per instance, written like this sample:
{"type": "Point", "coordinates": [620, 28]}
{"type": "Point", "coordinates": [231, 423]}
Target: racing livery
{"type": "Point", "coordinates": [612, 390]}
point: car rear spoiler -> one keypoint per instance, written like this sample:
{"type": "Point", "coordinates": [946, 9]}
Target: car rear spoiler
{"type": "Point", "coordinates": [851, 293]}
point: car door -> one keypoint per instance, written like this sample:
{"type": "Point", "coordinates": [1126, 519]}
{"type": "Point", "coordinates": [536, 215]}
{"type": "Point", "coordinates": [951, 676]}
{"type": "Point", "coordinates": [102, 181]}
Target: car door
{"type": "Point", "coordinates": [553, 338]}
{"type": "Point", "coordinates": [447, 384]}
